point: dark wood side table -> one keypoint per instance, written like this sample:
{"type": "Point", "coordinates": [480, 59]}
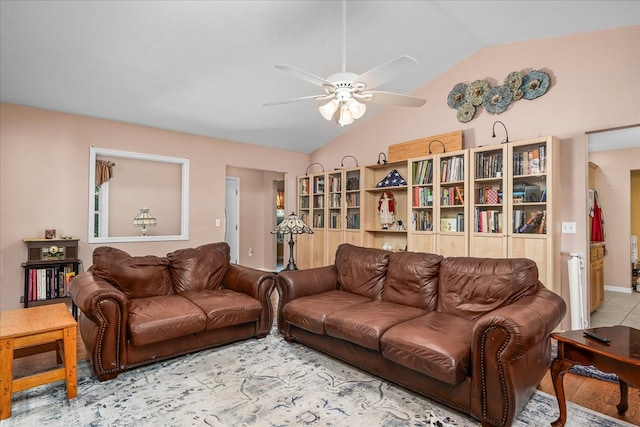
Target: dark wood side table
{"type": "Point", "coordinates": [620, 356]}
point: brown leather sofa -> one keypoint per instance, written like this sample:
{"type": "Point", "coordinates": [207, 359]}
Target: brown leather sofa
{"type": "Point", "coordinates": [472, 333]}
{"type": "Point", "coordinates": [139, 310]}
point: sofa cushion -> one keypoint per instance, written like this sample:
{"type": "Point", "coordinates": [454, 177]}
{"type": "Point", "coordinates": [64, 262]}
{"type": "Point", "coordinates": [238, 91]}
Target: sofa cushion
{"type": "Point", "coordinates": [436, 344]}
{"type": "Point", "coordinates": [225, 307]}
{"type": "Point", "coordinates": [412, 279]}
{"type": "Point", "coordinates": [309, 312]}
{"type": "Point", "coordinates": [361, 270]}
{"type": "Point", "coordinates": [199, 268]}
{"type": "Point", "coordinates": [364, 324]}
{"type": "Point", "coordinates": [471, 287]}
{"type": "Point", "coordinates": [157, 319]}
{"type": "Point", "coordinates": [136, 276]}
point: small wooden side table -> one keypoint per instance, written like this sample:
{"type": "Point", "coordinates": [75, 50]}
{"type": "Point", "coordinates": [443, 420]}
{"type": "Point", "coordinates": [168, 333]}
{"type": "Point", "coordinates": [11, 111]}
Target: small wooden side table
{"type": "Point", "coordinates": [31, 327]}
{"type": "Point", "coordinates": [620, 356]}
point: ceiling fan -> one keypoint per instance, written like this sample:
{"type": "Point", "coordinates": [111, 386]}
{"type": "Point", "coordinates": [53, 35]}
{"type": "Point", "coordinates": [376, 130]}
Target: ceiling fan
{"type": "Point", "coordinates": [347, 92]}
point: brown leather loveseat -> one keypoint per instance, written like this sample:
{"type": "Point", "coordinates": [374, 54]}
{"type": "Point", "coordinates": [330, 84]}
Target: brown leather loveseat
{"type": "Point", "coordinates": [472, 333]}
{"type": "Point", "coordinates": [139, 310]}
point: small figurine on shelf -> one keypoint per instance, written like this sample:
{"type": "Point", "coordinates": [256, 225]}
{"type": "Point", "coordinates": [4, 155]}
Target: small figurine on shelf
{"type": "Point", "coordinates": [387, 208]}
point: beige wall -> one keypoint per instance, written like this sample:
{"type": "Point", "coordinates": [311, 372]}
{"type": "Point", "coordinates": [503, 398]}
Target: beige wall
{"type": "Point", "coordinates": [613, 182]}
{"type": "Point", "coordinates": [594, 85]}
{"type": "Point", "coordinates": [44, 175]}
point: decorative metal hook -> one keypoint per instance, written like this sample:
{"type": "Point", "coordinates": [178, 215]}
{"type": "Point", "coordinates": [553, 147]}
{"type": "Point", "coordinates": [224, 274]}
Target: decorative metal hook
{"type": "Point", "coordinates": [384, 161]}
{"type": "Point", "coordinates": [444, 149]}
{"type": "Point", "coordinates": [315, 163]}
{"type": "Point", "coordinates": [505, 131]}
{"type": "Point", "coordinates": [342, 161]}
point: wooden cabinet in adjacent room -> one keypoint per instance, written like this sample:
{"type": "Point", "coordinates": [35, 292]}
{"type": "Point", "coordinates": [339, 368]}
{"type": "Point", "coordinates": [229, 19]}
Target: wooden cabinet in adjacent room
{"type": "Point", "coordinates": [596, 281]}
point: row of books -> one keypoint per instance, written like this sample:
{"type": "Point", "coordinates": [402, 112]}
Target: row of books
{"type": "Point", "coordinates": [334, 200]}
{"type": "Point", "coordinates": [422, 221]}
{"type": "Point", "coordinates": [318, 220]}
{"type": "Point", "coordinates": [353, 200]}
{"type": "Point", "coordinates": [353, 183]}
{"type": "Point", "coordinates": [318, 202]}
{"type": "Point", "coordinates": [488, 165]}
{"type": "Point", "coordinates": [423, 172]}
{"type": "Point", "coordinates": [50, 282]}
{"type": "Point", "coordinates": [353, 221]}
{"type": "Point", "coordinates": [486, 195]}
{"type": "Point", "coordinates": [452, 169]}
{"type": "Point", "coordinates": [530, 162]}
{"type": "Point", "coordinates": [335, 220]}
{"type": "Point", "coordinates": [422, 196]}
{"type": "Point", "coordinates": [452, 196]}
{"type": "Point", "coordinates": [304, 187]}
{"type": "Point", "coordinates": [488, 221]}
{"type": "Point", "coordinates": [334, 184]}
{"type": "Point", "coordinates": [318, 185]}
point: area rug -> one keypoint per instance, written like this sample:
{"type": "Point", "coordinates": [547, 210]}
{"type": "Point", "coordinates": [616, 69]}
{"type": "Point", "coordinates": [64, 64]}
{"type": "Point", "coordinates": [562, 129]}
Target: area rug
{"type": "Point", "coordinates": [586, 371]}
{"type": "Point", "coordinates": [265, 382]}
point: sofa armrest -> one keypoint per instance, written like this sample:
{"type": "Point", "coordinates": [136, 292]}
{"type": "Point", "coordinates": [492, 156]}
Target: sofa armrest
{"type": "Point", "coordinates": [511, 353]}
{"type": "Point", "coordinates": [256, 283]}
{"type": "Point", "coordinates": [299, 283]}
{"type": "Point", "coordinates": [103, 321]}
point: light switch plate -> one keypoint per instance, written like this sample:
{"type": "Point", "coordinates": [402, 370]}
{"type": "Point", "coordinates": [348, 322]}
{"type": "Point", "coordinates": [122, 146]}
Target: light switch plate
{"type": "Point", "coordinates": [568, 227]}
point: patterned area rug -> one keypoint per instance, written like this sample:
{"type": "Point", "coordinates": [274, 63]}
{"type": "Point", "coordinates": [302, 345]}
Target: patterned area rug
{"type": "Point", "coordinates": [264, 382]}
{"type": "Point", "coordinates": [586, 371]}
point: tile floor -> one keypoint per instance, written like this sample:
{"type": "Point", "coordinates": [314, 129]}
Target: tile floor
{"type": "Point", "coordinates": [618, 309]}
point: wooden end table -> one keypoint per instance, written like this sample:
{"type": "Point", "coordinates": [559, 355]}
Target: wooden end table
{"type": "Point", "coordinates": [620, 356]}
{"type": "Point", "coordinates": [36, 327]}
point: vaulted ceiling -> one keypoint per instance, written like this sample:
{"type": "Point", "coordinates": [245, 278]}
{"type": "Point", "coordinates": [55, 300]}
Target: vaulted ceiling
{"type": "Point", "coordinates": [207, 67]}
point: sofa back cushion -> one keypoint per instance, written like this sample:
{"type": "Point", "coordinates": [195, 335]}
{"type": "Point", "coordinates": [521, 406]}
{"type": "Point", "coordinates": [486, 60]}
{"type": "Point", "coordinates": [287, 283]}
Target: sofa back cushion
{"type": "Point", "coordinates": [361, 270]}
{"type": "Point", "coordinates": [471, 287]}
{"type": "Point", "coordinates": [199, 268]}
{"type": "Point", "coordinates": [412, 279]}
{"type": "Point", "coordinates": [136, 276]}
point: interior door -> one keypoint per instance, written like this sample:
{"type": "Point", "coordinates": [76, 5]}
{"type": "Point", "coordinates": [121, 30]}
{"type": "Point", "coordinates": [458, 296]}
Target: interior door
{"type": "Point", "coordinates": [232, 217]}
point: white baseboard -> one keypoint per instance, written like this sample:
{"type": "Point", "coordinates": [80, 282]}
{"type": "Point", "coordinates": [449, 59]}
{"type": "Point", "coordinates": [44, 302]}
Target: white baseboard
{"type": "Point", "coordinates": [618, 289]}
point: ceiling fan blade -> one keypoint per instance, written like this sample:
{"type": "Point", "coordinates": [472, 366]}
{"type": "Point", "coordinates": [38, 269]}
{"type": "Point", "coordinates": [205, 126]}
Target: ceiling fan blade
{"type": "Point", "coordinates": [386, 72]}
{"type": "Point", "coordinates": [305, 75]}
{"type": "Point", "coordinates": [391, 98]}
{"type": "Point", "coordinates": [303, 98]}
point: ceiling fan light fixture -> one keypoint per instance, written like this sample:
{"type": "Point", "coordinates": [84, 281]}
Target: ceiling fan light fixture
{"type": "Point", "coordinates": [346, 118]}
{"type": "Point", "coordinates": [356, 108]}
{"type": "Point", "coordinates": [329, 109]}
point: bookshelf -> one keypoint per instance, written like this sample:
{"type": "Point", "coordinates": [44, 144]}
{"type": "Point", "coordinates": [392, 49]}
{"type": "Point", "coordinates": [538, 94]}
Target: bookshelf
{"type": "Point", "coordinates": [533, 198]}
{"type": "Point", "coordinates": [452, 190]}
{"type": "Point", "coordinates": [423, 199]}
{"type": "Point", "coordinates": [471, 202]}
{"type": "Point", "coordinates": [374, 235]}
{"type": "Point", "coordinates": [51, 265]}
{"type": "Point", "coordinates": [344, 195]}
{"type": "Point", "coordinates": [488, 233]}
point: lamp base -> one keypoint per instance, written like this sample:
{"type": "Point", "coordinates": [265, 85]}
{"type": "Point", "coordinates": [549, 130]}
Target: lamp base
{"type": "Point", "coordinates": [292, 263]}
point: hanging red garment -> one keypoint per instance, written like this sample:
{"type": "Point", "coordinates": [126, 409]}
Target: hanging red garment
{"type": "Point", "coordinates": [597, 227]}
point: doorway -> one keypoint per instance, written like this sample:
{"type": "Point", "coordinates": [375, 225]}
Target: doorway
{"type": "Point", "coordinates": [232, 217]}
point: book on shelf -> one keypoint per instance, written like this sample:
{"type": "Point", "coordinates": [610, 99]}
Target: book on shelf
{"type": "Point", "coordinates": [448, 224]}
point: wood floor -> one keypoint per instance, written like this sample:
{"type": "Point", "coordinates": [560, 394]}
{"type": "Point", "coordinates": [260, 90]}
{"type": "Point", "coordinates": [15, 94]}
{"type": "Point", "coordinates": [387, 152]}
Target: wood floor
{"type": "Point", "coordinates": [599, 396]}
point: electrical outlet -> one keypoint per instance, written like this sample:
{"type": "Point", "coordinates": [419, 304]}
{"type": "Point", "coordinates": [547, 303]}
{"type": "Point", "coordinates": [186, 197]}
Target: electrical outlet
{"type": "Point", "coordinates": [568, 227]}
{"type": "Point", "coordinates": [217, 222]}
{"type": "Point", "coordinates": [21, 299]}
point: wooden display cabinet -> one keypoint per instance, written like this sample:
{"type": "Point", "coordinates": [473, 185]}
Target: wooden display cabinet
{"type": "Point", "coordinates": [51, 265]}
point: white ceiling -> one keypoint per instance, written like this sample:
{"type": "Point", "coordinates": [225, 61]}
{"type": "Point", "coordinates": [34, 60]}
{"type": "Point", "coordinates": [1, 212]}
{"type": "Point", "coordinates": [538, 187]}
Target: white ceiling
{"type": "Point", "coordinates": [207, 67]}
